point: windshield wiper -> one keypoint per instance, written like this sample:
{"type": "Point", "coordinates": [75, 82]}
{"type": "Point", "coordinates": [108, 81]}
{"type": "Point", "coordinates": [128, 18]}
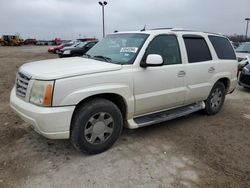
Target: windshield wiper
{"type": "Point", "coordinates": [107, 59]}
{"type": "Point", "coordinates": [243, 51]}
{"type": "Point", "coordinates": [86, 55]}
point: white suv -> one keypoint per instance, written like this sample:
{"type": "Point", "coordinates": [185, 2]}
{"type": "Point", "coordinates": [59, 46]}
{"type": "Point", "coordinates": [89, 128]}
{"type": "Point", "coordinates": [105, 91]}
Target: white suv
{"type": "Point", "coordinates": [131, 79]}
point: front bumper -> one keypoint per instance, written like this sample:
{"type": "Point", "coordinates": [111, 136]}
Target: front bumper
{"type": "Point", "coordinates": [61, 55]}
{"type": "Point", "coordinates": [244, 80]}
{"type": "Point", "coordinates": [51, 122]}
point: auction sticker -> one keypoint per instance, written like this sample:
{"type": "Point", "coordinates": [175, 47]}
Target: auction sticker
{"type": "Point", "coordinates": [129, 49]}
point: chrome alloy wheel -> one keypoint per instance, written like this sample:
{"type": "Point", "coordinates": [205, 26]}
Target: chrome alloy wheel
{"type": "Point", "coordinates": [98, 128]}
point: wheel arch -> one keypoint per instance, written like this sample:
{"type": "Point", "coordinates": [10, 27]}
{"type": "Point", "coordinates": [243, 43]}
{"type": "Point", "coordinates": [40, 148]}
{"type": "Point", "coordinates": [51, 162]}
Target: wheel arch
{"type": "Point", "coordinates": [117, 99]}
{"type": "Point", "coordinates": [226, 82]}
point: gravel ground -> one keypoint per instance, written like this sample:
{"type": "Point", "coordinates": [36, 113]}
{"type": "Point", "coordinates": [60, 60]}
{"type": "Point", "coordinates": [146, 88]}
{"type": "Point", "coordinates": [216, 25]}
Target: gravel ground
{"type": "Point", "coordinates": [192, 151]}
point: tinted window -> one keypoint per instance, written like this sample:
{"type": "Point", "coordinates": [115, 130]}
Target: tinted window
{"type": "Point", "coordinates": [167, 46]}
{"type": "Point", "coordinates": [222, 47]}
{"type": "Point", "coordinates": [197, 49]}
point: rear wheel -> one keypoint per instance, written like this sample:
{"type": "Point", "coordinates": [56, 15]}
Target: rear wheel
{"type": "Point", "coordinates": [215, 99]}
{"type": "Point", "coordinates": [96, 126]}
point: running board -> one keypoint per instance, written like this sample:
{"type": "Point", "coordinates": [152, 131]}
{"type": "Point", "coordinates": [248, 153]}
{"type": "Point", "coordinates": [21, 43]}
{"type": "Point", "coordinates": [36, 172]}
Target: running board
{"type": "Point", "coordinates": [168, 114]}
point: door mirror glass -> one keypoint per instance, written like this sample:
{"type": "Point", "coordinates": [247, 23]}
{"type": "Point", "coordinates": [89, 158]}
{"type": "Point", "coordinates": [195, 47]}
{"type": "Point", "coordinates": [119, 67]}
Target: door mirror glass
{"type": "Point", "coordinates": [154, 60]}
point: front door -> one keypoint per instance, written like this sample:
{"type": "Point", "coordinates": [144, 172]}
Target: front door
{"type": "Point", "coordinates": [162, 87]}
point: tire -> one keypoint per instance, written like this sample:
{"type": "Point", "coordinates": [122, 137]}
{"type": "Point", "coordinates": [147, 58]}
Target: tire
{"type": "Point", "coordinates": [96, 125]}
{"type": "Point", "coordinates": [215, 99]}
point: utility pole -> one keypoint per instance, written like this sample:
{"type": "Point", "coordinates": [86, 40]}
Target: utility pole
{"type": "Point", "coordinates": [104, 3]}
{"type": "Point", "coordinates": [247, 19]}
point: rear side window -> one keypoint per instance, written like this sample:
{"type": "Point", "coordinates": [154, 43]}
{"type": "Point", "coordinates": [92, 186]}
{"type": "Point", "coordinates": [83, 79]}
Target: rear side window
{"type": "Point", "coordinates": [197, 49]}
{"type": "Point", "coordinates": [223, 48]}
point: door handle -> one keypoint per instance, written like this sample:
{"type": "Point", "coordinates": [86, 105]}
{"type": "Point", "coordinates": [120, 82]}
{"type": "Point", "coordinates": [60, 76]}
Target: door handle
{"type": "Point", "coordinates": [181, 74]}
{"type": "Point", "coordinates": [211, 69]}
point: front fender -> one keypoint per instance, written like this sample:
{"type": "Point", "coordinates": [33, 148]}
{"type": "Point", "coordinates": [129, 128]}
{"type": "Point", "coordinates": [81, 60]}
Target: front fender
{"type": "Point", "coordinates": [76, 96]}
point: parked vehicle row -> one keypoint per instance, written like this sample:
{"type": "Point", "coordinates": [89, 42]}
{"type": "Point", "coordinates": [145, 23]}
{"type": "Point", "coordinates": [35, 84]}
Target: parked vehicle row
{"type": "Point", "coordinates": [74, 48]}
{"type": "Point", "coordinates": [131, 79]}
{"type": "Point", "coordinates": [78, 50]}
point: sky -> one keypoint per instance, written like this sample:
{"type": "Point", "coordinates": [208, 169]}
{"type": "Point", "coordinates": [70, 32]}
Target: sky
{"type": "Point", "coordinates": [71, 19]}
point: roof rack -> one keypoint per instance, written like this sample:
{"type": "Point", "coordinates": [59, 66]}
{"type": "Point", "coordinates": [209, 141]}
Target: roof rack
{"type": "Point", "coordinates": [162, 28]}
{"type": "Point", "coordinates": [177, 29]}
{"type": "Point", "coordinates": [213, 33]}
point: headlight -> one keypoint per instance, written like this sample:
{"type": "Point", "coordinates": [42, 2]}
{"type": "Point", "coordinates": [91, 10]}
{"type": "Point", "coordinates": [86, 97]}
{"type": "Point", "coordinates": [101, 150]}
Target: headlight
{"type": "Point", "coordinates": [66, 52]}
{"type": "Point", "coordinates": [246, 69]}
{"type": "Point", "coordinates": [41, 93]}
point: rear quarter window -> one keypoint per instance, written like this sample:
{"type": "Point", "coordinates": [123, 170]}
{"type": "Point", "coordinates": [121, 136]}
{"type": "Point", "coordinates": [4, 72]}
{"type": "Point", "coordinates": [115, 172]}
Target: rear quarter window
{"type": "Point", "coordinates": [223, 48]}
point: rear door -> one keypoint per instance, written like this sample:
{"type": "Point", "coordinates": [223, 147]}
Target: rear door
{"type": "Point", "coordinates": [227, 66]}
{"type": "Point", "coordinates": [200, 68]}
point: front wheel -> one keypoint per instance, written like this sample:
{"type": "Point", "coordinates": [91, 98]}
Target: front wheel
{"type": "Point", "coordinates": [215, 99]}
{"type": "Point", "coordinates": [96, 126]}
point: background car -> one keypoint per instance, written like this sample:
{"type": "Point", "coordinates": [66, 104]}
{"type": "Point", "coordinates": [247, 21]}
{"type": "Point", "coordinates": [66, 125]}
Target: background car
{"type": "Point", "coordinates": [30, 42]}
{"type": "Point", "coordinates": [235, 44]}
{"type": "Point", "coordinates": [243, 51]}
{"type": "Point", "coordinates": [56, 49]}
{"type": "Point", "coordinates": [244, 79]}
{"type": "Point", "coordinates": [77, 50]}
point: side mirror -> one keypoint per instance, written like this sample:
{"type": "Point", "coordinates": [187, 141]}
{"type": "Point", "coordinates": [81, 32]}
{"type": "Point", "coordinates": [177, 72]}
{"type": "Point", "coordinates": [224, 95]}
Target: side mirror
{"type": "Point", "coordinates": [243, 63]}
{"type": "Point", "coordinates": [153, 60]}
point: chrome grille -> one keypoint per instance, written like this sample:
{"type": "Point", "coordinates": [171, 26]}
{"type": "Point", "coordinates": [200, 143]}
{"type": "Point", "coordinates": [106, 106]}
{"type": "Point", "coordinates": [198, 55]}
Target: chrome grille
{"type": "Point", "coordinates": [22, 82]}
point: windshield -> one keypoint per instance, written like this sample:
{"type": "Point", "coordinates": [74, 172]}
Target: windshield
{"type": "Point", "coordinates": [118, 48]}
{"type": "Point", "coordinates": [81, 44]}
{"type": "Point", "coordinates": [244, 48]}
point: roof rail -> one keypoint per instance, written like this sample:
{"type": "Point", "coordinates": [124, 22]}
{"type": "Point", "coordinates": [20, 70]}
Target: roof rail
{"type": "Point", "coordinates": [162, 28]}
{"type": "Point", "coordinates": [177, 29]}
{"type": "Point", "coordinates": [213, 33]}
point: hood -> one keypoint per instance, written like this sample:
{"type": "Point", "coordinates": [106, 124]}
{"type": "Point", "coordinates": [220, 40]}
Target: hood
{"type": "Point", "coordinates": [66, 67]}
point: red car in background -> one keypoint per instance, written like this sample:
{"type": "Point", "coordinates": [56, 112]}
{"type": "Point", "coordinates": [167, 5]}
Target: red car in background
{"type": "Point", "coordinates": [56, 49]}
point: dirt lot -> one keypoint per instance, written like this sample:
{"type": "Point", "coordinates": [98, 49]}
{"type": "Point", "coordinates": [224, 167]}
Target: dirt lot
{"type": "Point", "coordinates": [193, 151]}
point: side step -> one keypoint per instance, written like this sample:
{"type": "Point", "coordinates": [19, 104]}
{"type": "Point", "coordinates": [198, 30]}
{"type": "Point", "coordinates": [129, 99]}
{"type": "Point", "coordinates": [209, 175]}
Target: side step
{"type": "Point", "coordinates": [168, 114]}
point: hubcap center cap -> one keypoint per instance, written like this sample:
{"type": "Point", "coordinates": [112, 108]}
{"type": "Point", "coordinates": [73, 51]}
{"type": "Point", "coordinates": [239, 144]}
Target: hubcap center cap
{"type": "Point", "coordinates": [99, 127]}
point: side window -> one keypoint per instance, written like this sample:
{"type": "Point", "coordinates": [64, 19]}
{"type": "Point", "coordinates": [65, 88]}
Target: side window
{"type": "Point", "coordinates": [167, 46]}
{"type": "Point", "coordinates": [197, 49]}
{"type": "Point", "coordinates": [223, 48]}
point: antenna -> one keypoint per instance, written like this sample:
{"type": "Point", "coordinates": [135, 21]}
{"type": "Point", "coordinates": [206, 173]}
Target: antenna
{"type": "Point", "coordinates": [144, 28]}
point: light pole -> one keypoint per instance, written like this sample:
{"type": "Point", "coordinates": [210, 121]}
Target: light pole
{"type": "Point", "coordinates": [247, 19]}
{"type": "Point", "coordinates": [104, 3]}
